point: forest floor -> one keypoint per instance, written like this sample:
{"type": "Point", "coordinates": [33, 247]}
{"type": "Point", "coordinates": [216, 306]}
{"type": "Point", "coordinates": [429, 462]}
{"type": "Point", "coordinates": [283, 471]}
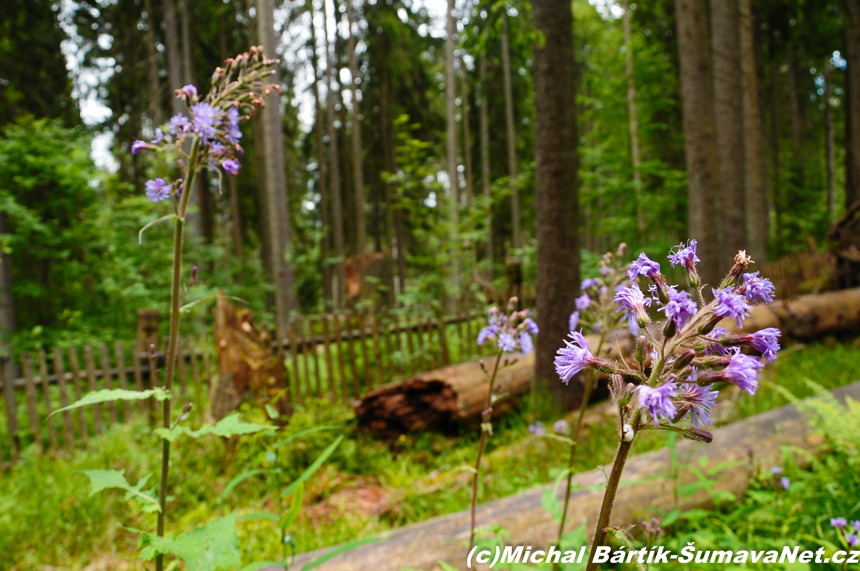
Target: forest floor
{"type": "Point", "coordinates": [367, 485]}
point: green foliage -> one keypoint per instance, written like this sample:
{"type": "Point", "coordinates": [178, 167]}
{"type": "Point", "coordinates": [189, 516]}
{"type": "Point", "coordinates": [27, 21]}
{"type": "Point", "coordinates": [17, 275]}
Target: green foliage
{"type": "Point", "coordinates": [113, 395]}
{"type": "Point", "coordinates": [212, 547]}
{"type": "Point", "coordinates": [104, 479]}
{"type": "Point", "coordinates": [230, 425]}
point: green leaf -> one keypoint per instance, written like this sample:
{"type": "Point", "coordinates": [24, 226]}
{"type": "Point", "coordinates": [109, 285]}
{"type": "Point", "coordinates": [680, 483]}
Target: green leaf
{"type": "Point", "coordinates": [167, 218]}
{"type": "Point", "coordinates": [313, 467]}
{"type": "Point", "coordinates": [212, 547]}
{"type": "Point", "coordinates": [550, 503]}
{"type": "Point", "coordinates": [241, 478]}
{"type": "Point", "coordinates": [112, 395]}
{"type": "Point", "coordinates": [271, 412]}
{"type": "Point", "coordinates": [226, 427]}
{"type": "Point", "coordinates": [301, 433]}
{"type": "Point", "coordinates": [295, 506]}
{"type": "Point", "coordinates": [106, 479]}
{"type": "Point", "coordinates": [342, 548]}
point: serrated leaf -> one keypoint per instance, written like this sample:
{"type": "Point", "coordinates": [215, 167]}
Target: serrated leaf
{"type": "Point", "coordinates": [107, 479]}
{"type": "Point", "coordinates": [228, 426]}
{"type": "Point", "coordinates": [212, 547]}
{"type": "Point", "coordinates": [343, 548]}
{"type": "Point", "coordinates": [112, 395]}
{"type": "Point", "coordinates": [313, 467]}
{"type": "Point", "coordinates": [241, 478]}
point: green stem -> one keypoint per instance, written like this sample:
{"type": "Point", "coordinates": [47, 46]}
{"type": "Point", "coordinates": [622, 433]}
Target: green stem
{"type": "Point", "coordinates": [173, 340]}
{"type": "Point", "coordinates": [481, 452]}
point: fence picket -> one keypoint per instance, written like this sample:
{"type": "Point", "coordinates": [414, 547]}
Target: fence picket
{"type": "Point", "coordinates": [361, 321]}
{"type": "Point", "coordinates": [119, 358]}
{"type": "Point", "coordinates": [312, 347]}
{"type": "Point", "coordinates": [377, 352]}
{"type": "Point", "coordinates": [409, 359]}
{"type": "Point", "coordinates": [32, 409]}
{"type": "Point", "coordinates": [76, 383]}
{"type": "Point", "coordinates": [46, 394]}
{"type": "Point", "coordinates": [11, 409]}
{"type": "Point", "coordinates": [59, 371]}
{"type": "Point", "coordinates": [353, 366]}
{"type": "Point", "coordinates": [107, 377]}
{"type": "Point", "coordinates": [329, 364]}
{"type": "Point", "coordinates": [91, 383]}
{"type": "Point", "coordinates": [344, 393]}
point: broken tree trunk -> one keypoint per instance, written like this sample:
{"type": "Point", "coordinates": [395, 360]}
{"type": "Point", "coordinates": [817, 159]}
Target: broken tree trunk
{"type": "Point", "coordinates": [442, 398]}
{"type": "Point", "coordinates": [246, 363]}
{"type": "Point", "coordinates": [844, 237]}
{"type": "Point", "coordinates": [809, 316]}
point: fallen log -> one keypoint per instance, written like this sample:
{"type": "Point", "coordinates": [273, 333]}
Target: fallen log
{"type": "Point", "coordinates": [809, 316]}
{"type": "Point", "coordinates": [457, 394]}
{"type": "Point", "coordinates": [755, 443]}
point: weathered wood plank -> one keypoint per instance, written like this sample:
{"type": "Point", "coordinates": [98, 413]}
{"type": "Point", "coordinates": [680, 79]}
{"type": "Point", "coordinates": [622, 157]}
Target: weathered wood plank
{"type": "Point", "coordinates": [344, 392]}
{"type": "Point", "coordinates": [119, 357]}
{"type": "Point", "coordinates": [59, 370]}
{"type": "Point", "coordinates": [329, 363]}
{"type": "Point", "coordinates": [11, 411]}
{"type": "Point", "coordinates": [107, 377]}
{"type": "Point", "coordinates": [92, 386]}
{"type": "Point", "coordinates": [76, 383]}
{"type": "Point", "coordinates": [32, 408]}
{"type": "Point", "coordinates": [46, 395]}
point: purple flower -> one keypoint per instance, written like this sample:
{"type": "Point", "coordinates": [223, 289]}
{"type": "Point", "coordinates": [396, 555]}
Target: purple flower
{"type": "Point", "coordinates": [582, 302]}
{"type": "Point", "coordinates": [633, 302]}
{"type": "Point", "coordinates": [776, 470]}
{"type": "Point", "coordinates": [684, 255]}
{"type": "Point", "coordinates": [189, 90]}
{"type": "Point", "coordinates": [758, 289]}
{"type": "Point", "coordinates": [506, 341]}
{"type": "Point", "coordinates": [486, 332]}
{"type": "Point", "coordinates": [179, 124]}
{"type": "Point", "coordinates": [526, 344]}
{"type": "Point", "coordinates": [234, 133]}
{"type": "Point", "coordinates": [731, 305]}
{"type": "Point", "coordinates": [573, 357]}
{"type": "Point", "coordinates": [680, 308]}
{"type": "Point", "coordinates": [643, 266]}
{"type": "Point", "coordinates": [561, 426]}
{"type": "Point", "coordinates": [231, 166]}
{"type": "Point", "coordinates": [206, 118]}
{"type": "Point", "coordinates": [700, 401]}
{"type": "Point", "coordinates": [589, 283]}
{"type": "Point", "coordinates": [604, 271]}
{"type": "Point", "coordinates": [856, 525]}
{"type": "Point", "coordinates": [573, 321]}
{"type": "Point", "coordinates": [632, 326]}
{"type": "Point", "coordinates": [137, 146]}
{"type": "Point", "coordinates": [537, 428]}
{"type": "Point", "coordinates": [159, 136]}
{"type": "Point", "coordinates": [713, 346]}
{"type": "Point", "coordinates": [852, 539]}
{"type": "Point", "coordinates": [743, 371]}
{"type": "Point", "coordinates": [217, 149]}
{"type": "Point", "coordinates": [838, 522]}
{"type": "Point", "coordinates": [531, 326]}
{"type": "Point", "coordinates": [766, 341]}
{"type": "Point", "coordinates": [157, 190]}
{"type": "Point", "coordinates": [786, 483]}
{"type": "Point", "coordinates": [658, 401]}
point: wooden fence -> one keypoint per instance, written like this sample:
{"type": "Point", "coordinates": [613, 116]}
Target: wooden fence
{"type": "Point", "coordinates": [799, 273]}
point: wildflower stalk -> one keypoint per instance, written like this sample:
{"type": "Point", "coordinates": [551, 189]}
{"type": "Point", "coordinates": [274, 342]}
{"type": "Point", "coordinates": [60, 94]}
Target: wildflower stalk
{"type": "Point", "coordinates": [577, 429]}
{"type": "Point", "coordinates": [481, 445]}
{"type": "Point", "coordinates": [173, 339]}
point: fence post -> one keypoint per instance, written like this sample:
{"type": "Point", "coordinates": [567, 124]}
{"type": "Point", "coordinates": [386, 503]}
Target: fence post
{"type": "Point", "coordinates": [11, 408]}
{"type": "Point", "coordinates": [108, 380]}
{"type": "Point", "coordinates": [76, 382]}
{"type": "Point", "coordinates": [119, 356]}
{"type": "Point", "coordinates": [60, 372]}
{"type": "Point", "coordinates": [46, 393]}
{"type": "Point", "coordinates": [329, 364]}
{"type": "Point", "coordinates": [32, 410]}
{"type": "Point", "coordinates": [91, 384]}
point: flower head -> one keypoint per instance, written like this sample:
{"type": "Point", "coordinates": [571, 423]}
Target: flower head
{"type": "Point", "coordinates": [489, 331]}
{"type": "Point", "coordinates": [633, 302]}
{"type": "Point", "coordinates": [681, 308]}
{"type": "Point", "coordinates": [658, 401]}
{"type": "Point", "coordinates": [852, 539]}
{"type": "Point", "coordinates": [189, 91]}
{"type": "Point", "coordinates": [179, 124]}
{"type": "Point", "coordinates": [234, 133]}
{"type": "Point", "coordinates": [206, 119]}
{"type": "Point", "coordinates": [506, 341]}
{"type": "Point", "coordinates": [526, 343]}
{"type": "Point", "coordinates": [573, 357]}
{"type": "Point", "coordinates": [758, 289]}
{"type": "Point", "coordinates": [531, 326]}
{"type": "Point", "coordinates": [137, 146]}
{"type": "Point", "coordinates": [582, 302]}
{"type": "Point", "coordinates": [838, 522]}
{"type": "Point", "coordinates": [157, 190]}
{"type": "Point", "coordinates": [589, 283]}
{"type": "Point", "coordinates": [561, 426]}
{"type": "Point", "coordinates": [159, 136]}
{"type": "Point", "coordinates": [744, 372]}
{"type": "Point", "coordinates": [684, 255]}
{"type": "Point", "coordinates": [776, 470]}
{"type": "Point", "coordinates": [766, 341]}
{"type": "Point", "coordinates": [537, 428]}
{"type": "Point", "coordinates": [573, 321]}
{"type": "Point", "coordinates": [731, 305]}
{"type": "Point", "coordinates": [231, 166]}
{"type": "Point", "coordinates": [699, 401]}
{"type": "Point", "coordinates": [643, 266]}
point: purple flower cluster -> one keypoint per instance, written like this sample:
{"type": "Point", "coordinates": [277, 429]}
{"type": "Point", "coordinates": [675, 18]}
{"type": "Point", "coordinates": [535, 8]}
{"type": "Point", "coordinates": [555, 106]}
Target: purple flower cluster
{"type": "Point", "coordinates": [658, 401]}
{"type": "Point", "coordinates": [680, 308]}
{"type": "Point", "coordinates": [633, 302]}
{"type": "Point", "coordinates": [511, 332]}
{"type": "Point", "coordinates": [573, 357]}
{"type": "Point", "coordinates": [848, 532]}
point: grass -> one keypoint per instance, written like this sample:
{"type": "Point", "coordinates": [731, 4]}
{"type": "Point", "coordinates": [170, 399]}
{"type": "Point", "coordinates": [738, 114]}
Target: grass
{"type": "Point", "coordinates": [419, 475]}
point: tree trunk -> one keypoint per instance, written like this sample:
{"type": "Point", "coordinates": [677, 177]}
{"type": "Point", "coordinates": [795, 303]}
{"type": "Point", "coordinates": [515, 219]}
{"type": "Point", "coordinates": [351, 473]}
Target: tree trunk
{"type": "Point", "coordinates": [828, 137]}
{"type": "Point", "coordinates": [728, 106]}
{"type": "Point", "coordinates": [467, 136]}
{"type": "Point", "coordinates": [357, 165]}
{"type": "Point", "coordinates": [852, 191]}
{"type": "Point", "coordinates": [556, 188]}
{"type": "Point", "coordinates": [634, 126]}
{"type": "Point", "coordinates": [451, 139]}
{"type": "Point", "coordinates": [774, 143]}
{"type": "Point", "coordinates": [321, 170]}
{"type": "Point", "coordinates": [334, 170]}
{"type": "Point", "coordinates": [185, 23]}
{"type": "Point", "coordinates": [793, 99]}
{"type": "Point", "coordinates": [699, 133]}
{"type": "Point", "coordinates": [275, 176]}
{"type": "Point", "coordinates": [756, 193]}
{"type": "Point", "coordinates": [235, 219]}
{"type": "Point", "coordinates": [511, 135]}
{"type": "Point", "coordinates": [485, 161]}
{"type": "Point", "coordinates": [171, 46]}
{"type": "Point", "coordinates": [7, 300]}
{"type": "Point", "coordinates": [153, 82]}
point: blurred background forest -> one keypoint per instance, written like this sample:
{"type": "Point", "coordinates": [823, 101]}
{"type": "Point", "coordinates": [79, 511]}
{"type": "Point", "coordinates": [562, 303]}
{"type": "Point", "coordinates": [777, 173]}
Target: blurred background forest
{"type": "Point", "coordinates": [727, 121]}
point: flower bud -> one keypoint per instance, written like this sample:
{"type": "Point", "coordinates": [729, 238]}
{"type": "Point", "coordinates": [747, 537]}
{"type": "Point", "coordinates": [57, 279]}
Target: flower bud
{"type": "Point", "coordinates": [742, 261]}
{"type": "Point", "coordinates": [153, 351]}
{"type": "Point", "coordinates": [685, 359]}
{"type": "Point", "coordinates": [627, 433]}
{"type": "Point", "coordinates": [669, 329]}
{"type": "Point", "coordinates": [193, 279]}
{"type": "Point", "coordinates": [698, 435]}
{"type": "Point", "coordinates": [709, 325]}
{"type": "Point", "coordinates": [640, 349]}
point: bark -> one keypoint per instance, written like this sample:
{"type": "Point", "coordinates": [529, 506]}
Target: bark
{"type": "Point", "coordinates": [485, 161]}
{"type": "Point", "coordinates": [7, 300]}
{"type": "Point", "coordinates": [774, 148]}
{"type": "Point", "coordinates": [467, 136]}
{"type": "Point", "coordinates": [828, 138]}
{"type": "Point", "coordinates": [844, 241]}
{"type": "Point", "coordinates": [185, 23]}
{"type": "Point", "coordinates": [794, 99]}
{"type": "Point", "coordinates": [852, 44]}
{"type": "Point", "coordinates": [451, 147]}
{"type": "Point", "coordinates": [556, 188]}
{"type": "Point", "coordinates": [699, 133]}
{"type": "Point", "coordinates": [334, 171]}
{"type": "Point", "coordinates": [171, 47]}
{"type": "Point", "coordinates": [634, 126]}
{"type": "Point", "coordinates": [357, 165]}
{"type": "Point", "coordinates": [153, 83]}
{"type": "Point", "coordinates": [511, 135]}
{"type": "Point", "coordinates": [809, 317]}
{"type": "Point", "coordinates": [728, 106]}
{"type": "Point", "coordinates": [394, 214]}
{"type": "Point", "coordinates": [754, 176]}
{"type": "Point", "coordinates": [321, 165]}
{"type": "Point", "coordinates": [277, 213]}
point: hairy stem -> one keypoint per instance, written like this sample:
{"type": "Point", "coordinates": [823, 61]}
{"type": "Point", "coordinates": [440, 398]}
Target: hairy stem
{"type": "Point", "coordinates": [608, 501]}
{"type": "Point", "coordinates": [173, 340]}
{"type": "Point", "coordinates": [481, 452]}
